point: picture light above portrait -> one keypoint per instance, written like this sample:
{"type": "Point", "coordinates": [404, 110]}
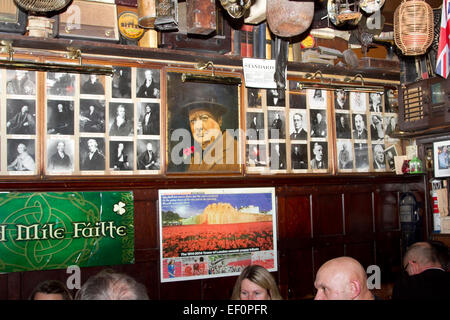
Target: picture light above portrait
{"type": "Point", "coordinates": [213, 78]}
{"type": "Point", "coordinates": [348, 84]}
{"type": "Point", "coordinates": [73, 53]}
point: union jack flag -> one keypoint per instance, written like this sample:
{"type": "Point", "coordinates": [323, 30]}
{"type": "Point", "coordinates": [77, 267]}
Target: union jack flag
{"type": "Point", "coordinates": [443, 61]}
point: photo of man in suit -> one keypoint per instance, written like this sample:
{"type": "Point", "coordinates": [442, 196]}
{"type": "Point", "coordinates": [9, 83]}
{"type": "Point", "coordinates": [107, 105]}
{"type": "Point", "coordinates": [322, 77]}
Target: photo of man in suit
{"type": "Point", "coordinates": [92, 85]}
{"type": "Point", "coordinates": [121, 83]}
{"type": "Point", "coordinates": [341, 101]}
{"type": "Point", "coordinates": [148, 159]}
{"type": "Point", "coordinates": [122, 122]}
{"type": "Point", "coordinates": [319, 160]}
{"type": "Point", "coordinates": [149, 87]}
{"type": "Point", "coordinates": [359, 125]}
{"type": "Point", "coordinates": [343, 130]}
{"type": "Point", "coordinates": [60, 118]}
{"type": "Point", "coordinates": [149, 119]}
{"type": "Point", "coordinates": [298, 132]}
{"type": "Point", "coordinates": [59, 160]}
{"type": "Point", "coordinates": [299, 156]}
{"type": "Point", "coordinates": [92, 158]}
{"type": "Point", "coordinates": [120, 155]}
{"type": "Point", "coordinates": [378, 157]}
{"type": "Point", "coordinates": [92, 116]}
{"type": "Point", "coordinates": [375, 100]}
{"type": "Point", "coordinates": [277, 125]}
{"type": "Point", "coordinates": [318, 124]}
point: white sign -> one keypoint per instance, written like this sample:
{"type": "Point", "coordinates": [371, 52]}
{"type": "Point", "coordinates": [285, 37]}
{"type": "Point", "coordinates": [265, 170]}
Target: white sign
{"type": "Point", "coordinates": [259, 73]}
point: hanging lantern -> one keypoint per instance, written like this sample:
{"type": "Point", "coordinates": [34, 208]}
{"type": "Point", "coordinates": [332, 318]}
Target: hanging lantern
{"type": "Point", "coordinates": [413, 27]}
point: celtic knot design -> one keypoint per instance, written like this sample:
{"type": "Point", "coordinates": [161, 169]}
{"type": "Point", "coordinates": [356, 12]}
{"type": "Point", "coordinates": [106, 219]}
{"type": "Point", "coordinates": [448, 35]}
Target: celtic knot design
{"type": "Point", "coordinates": [43, 210]}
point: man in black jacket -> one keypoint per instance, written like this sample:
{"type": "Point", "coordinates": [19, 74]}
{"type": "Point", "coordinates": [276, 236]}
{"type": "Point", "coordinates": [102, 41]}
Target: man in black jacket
{"type": "Point", "coordinates": [426, 278]}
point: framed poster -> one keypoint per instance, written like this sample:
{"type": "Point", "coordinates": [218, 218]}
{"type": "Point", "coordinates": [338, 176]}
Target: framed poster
{"type": "Point", "coordinates": [209, 233]}
{"type": "Point", "coordinates": [441, 165]}
{"type": "Point", "coordinates": [202, 127]}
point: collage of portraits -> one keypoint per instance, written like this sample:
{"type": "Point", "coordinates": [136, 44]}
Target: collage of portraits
{"type": "Point", "coordinates": [101, 125]}
{"type": "Point", "coordinates": [298, 133]}
{"type": "Point", "coordinates": [93, 124]}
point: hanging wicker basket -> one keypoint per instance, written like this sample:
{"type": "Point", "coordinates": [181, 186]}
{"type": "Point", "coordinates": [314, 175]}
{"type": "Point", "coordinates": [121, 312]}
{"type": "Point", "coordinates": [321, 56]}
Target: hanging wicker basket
{"type": "Point", "coordinates": [413, 27]}
{"type": "Point", "coordinates": [41, 6]}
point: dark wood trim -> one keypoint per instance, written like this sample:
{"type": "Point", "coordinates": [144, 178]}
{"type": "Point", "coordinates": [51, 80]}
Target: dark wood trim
{"type": "Point", "coordinates": [119, 50]}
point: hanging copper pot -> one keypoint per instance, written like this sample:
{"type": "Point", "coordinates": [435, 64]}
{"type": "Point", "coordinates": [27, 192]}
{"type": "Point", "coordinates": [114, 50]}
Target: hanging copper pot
{"type": "Point", "coordinates": [289, 18]}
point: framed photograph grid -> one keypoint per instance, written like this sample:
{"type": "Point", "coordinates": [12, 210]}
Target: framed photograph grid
{"type": "Point", "coordinates": [359, 123]}
{"type": "Point", "coordinates": [98, 125]}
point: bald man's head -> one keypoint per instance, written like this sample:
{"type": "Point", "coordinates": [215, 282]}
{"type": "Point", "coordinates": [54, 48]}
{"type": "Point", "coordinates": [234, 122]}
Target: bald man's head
{"type": "Point", "coordinates": [342, 278]}
{"type": "Point", "coordinates": [419, 257]}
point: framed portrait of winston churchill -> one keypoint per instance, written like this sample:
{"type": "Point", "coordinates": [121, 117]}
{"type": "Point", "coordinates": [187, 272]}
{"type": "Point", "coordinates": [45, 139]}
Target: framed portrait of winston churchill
{"type": "Point", "coordinates": [202, 127]}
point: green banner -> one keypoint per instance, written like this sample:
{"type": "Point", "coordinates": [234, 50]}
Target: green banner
{"type": "Point", "coordinates": [53, 230]}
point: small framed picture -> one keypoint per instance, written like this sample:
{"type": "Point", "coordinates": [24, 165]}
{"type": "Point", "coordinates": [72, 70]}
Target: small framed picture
{"type": "Point", "coordinates": [441, 165]}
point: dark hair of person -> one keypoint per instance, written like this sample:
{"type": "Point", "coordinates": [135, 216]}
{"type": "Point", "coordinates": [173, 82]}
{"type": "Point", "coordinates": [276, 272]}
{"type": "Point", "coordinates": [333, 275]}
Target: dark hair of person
{"type": "Point", "coordinates": [52, 287]}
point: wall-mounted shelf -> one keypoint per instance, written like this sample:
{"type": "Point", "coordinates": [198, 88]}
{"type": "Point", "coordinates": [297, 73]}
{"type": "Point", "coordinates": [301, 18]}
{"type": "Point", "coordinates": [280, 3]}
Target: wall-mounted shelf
{"type": "Point", "coordinates": [105, 48]}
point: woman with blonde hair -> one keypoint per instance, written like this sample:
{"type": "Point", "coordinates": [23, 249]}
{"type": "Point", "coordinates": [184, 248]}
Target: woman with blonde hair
{"type": "Point", "coordinates": [255, 283]}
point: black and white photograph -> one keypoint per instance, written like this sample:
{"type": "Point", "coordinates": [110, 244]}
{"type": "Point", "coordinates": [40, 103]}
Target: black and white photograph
{"type": "Point", "coordinates": [275, 98]}
{"type": "Point", "coordinates": [317, 98]}
{"type": "Point", "coordinates": [148, 155]}
{"type": "Point", "coordinates": [255, 125]}
{"type": "Point", "coordinates": [148, 83]}
{"type": "Point", "coordinates": [121, 155]}
{"type": "Point", "coordinates": [277, 156]}
{"type": "Point", "coordinates": [297, 100]}
{"type": "Point", "coordinates": [341, 100]}
{"type": "Point", "coordinates": [92, 116]}
{"type": "Point", "coordinates": [375, 102]}
{"type": "Point", "coordinates": [343, 127]}
{"type": "Point", "coordinates": [298, 125]}
{"type": "Point", "coordinates": [20, 116]}
{"type": "Point", "coordinates": [318, 120]}
{"type": "Point", "coordinates": [121, 83]}
{"type": "Point", "coordinates": [121, 117]}
{"type": "Point", "coordinates": [299, 156]}
{"type": "Point", "coordinates": [277, 124]}
{"type": "Point", "coordinates": [359, 127]}
{"type": "Point", "coordinates": [319, 155]}
{"type": "Point", "coordinates": [379, 161]}
{"type": "Point", "coordinates": [358, 101]}
{"type": "Point", "coordinates": [92, 154]}
{"type": "Point", "coordinates": [254, 98]}
{"type": "Point", "coordinates": [390, 122]}
{"type": "Point", "coordinates": [92, 84]}
{"type": "Point", "coordinates": [361, 156]}
{"type": "Point", "coordinates": [389, 155]}
{"type": "Point", "coordinates": [21, 155]}
{"type": "Point", "coordinates": [390, 101]}
{"type": "Point", "coordinates": [60, 155]}
{"type": "Point", "coordinates": [21, 82]}
{"type": "Point", "coordinates": [148, 118]}
{"type": "Point", "coordinates": [60, 84]}
{"type": "Point", "coordinates": [256, 155]}
{"type": "Point", "coordinates": [345, 154]}
{"type": "Point", "coordinates": [60, 115]}
{"type": "Point", "coordinates": [376, 127]}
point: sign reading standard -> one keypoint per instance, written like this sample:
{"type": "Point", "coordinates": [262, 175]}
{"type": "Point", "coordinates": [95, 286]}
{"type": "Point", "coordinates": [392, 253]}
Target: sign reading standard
{"type": "Point", "coordinates": [259, 73]}
{"type": "Point", "coordinates": [54, 230]}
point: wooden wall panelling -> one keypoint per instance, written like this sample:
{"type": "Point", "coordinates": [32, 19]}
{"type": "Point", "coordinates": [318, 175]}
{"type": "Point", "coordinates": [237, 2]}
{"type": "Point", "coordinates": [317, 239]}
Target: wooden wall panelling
{"type": "Point", "coordinates": [295, 233]}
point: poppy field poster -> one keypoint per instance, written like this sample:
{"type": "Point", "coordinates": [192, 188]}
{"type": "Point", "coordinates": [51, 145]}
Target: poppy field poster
{"type": "Point", "coordinates": [208, 233]}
